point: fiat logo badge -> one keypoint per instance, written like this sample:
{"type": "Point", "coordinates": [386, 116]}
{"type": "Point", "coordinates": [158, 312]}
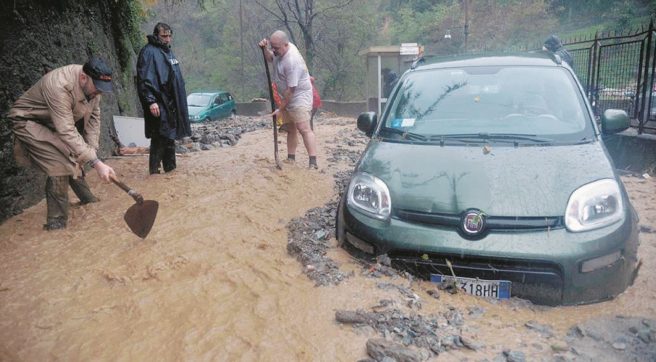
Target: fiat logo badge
{"type": "Point", "coordinates": [473, 222]}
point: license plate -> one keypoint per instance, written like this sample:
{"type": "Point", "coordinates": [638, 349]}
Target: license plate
{"type": "Point", "coordinates": [498, 289]}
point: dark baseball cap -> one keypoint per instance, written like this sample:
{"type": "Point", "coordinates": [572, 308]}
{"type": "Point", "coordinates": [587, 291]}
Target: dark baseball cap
{"type": "Point", "coordinates": [100, 73]}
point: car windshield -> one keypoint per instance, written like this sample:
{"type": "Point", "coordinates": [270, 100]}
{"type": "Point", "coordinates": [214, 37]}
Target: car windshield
{"type": "Point", "coordinates": [525, 103]}
{"type": "Point", "coordinates": [198, 100]}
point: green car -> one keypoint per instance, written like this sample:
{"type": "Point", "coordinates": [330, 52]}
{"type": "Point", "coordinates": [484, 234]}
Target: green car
{"type": "Point", "coordinates": [491, 173]}
{"type": "Point", "coordinates": [210, 106]}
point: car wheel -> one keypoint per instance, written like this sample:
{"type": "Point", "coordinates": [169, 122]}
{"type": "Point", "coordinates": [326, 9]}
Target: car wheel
{"type": "Point", "coordinates": [207, 119]}
{"type": "Point", "coordinates": [233, 114]}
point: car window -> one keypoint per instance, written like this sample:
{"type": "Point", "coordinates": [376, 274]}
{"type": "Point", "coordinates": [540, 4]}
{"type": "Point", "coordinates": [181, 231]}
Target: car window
{"type": "Point", "coordinates": [543, 101]}
{"type": "Point", "coordinates": [198, 100]}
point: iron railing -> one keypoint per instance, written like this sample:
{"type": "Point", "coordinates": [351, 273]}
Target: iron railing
{"type": "Point", "coordinates": [618, 72]}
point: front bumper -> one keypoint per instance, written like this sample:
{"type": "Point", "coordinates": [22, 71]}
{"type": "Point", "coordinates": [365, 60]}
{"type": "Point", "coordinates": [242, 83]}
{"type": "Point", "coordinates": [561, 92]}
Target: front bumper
{"type": "Point", "coordinates": [544, 265]}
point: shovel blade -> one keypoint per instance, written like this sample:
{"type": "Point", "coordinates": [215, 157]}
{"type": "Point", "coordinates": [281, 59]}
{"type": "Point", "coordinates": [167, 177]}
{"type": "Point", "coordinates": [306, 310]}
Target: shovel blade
{"type": "Point", "coordinates": [140, 217]}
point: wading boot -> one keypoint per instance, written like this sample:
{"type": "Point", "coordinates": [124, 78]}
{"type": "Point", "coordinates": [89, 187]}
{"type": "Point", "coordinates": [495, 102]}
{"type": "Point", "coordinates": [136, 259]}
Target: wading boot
{"type": "Point", "coordinates": [82, 190]}
{"type": "Point", "coordinates": [55, 223]}
{"type": "Point", "coordinates": [155, 154]}
{"type": "Point", "coordinates": [168, 157]}
{"type": "Point", "coordinates": [57, 202]}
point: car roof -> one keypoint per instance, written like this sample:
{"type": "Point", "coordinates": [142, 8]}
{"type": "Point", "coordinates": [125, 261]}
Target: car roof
{"type": "Point", "coordinates": [538, 58]}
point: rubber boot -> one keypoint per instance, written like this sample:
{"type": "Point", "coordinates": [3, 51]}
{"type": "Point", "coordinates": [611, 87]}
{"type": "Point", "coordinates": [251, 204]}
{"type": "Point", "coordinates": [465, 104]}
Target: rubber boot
{"type": "Point", "coordinates": [168, 159]}
{"type": "Point", "coordinates": [155, 154]}
{"type": "Point", "coordinates": [82, 190]}
{"type": "Point", "coordinates": [57, 202]}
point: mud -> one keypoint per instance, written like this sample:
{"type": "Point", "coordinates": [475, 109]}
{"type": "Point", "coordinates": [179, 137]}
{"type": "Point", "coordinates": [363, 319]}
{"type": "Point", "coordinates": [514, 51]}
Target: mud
{"type": "Point", "coordinates": [242, 264]}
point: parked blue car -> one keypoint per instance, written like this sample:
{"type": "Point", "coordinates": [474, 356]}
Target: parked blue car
{"type": "Point", "coordinates": [210, 106]}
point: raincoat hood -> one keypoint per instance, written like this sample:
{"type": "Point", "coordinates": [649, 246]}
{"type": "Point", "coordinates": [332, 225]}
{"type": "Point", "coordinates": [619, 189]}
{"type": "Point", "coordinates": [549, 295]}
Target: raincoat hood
{"type": "Point", "coordinates": [154, 40]}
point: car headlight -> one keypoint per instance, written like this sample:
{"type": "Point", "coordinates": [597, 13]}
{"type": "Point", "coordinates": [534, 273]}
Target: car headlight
{"type": "Point", "coordinates": [370, 195]}
{"type": "Point", "coordinates": [594, 205]}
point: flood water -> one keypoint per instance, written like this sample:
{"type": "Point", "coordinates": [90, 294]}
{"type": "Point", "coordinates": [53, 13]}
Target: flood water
{"type": "Point", "coordinates": [213, 280]}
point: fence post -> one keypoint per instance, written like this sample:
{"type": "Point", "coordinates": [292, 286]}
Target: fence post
{"type": "Point", "coordinates": [646, 91]}
{"type": "Point", "coordinates": [593, 92]}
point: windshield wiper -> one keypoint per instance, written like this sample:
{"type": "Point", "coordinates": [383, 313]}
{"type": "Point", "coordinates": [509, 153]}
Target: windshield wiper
{"type": "Point", "coordinates": [405, 134]}
{"type": "Point", "coordinates": [483, 137]}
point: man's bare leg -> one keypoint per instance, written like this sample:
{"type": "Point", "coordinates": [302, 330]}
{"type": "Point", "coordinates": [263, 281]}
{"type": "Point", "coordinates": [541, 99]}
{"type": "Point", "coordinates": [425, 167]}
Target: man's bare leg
{"type": "Point", "coordinates": [309, 141]}
{"type": "Point", "coordinates": [292, 141]}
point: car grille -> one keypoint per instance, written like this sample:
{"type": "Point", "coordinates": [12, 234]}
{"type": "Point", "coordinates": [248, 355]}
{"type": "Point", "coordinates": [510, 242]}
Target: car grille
{"type": "Point", "coordinates": [540, 282]}
{"type": "Point", "coordinates": [496, 223]}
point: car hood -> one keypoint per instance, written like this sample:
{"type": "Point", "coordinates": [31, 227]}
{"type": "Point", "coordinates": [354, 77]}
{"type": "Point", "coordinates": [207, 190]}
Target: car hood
{"type": "Point", "coordinates": [500, 181]}
{"type": "Point", "coordinates": [194, 111]}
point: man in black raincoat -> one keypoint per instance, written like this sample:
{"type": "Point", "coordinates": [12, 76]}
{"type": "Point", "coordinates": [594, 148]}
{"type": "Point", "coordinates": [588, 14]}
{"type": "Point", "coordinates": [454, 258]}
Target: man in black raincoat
{"type": "Point", "coordinates": [163, 98]}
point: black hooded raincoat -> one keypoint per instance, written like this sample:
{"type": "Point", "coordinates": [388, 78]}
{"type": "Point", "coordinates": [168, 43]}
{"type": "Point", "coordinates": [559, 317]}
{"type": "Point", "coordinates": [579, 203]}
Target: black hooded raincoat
{"type": "Point", "coordinates": [159, 80]}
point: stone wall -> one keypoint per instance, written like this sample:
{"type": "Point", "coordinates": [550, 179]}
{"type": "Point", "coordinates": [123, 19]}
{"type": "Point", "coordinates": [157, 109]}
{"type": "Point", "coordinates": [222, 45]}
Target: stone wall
{"type": "Point", "coordinates": [35, 37]}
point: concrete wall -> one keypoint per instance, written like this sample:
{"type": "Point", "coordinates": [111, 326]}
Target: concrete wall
{"type": "Point", "coordinates": [253, 108]}
{"type": "Point", "coordinates": [344, 109]}
{"type": "Point", "coordinates": [633, 152]}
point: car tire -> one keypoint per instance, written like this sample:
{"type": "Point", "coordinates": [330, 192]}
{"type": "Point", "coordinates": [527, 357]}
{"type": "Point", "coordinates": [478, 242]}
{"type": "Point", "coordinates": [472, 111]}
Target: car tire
{"type": "Point", "coordinates": [207, 119]}
{"type": "Point", "coordinates": [233, 114]}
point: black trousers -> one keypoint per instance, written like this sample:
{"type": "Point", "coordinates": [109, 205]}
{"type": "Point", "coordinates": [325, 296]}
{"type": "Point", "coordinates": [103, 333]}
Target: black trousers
{"type": "Point", "coordinates": [162, 152]}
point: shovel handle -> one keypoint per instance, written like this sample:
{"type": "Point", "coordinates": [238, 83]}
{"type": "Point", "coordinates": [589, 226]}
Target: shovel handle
{"type": "Point", "coordinates": [135, 195]}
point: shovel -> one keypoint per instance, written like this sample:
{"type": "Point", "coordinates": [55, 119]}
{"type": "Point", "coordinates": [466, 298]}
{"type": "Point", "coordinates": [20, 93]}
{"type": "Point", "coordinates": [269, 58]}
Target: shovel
{"type": "Point", "coordinates": [140, 217]}
{"type": "Point", "coordinates": [273, 108]}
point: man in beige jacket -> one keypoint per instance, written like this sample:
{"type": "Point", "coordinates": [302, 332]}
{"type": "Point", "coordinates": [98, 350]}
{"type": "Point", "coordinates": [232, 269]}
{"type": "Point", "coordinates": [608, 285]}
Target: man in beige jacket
{"type": "Point", "coordinates": [56, 126]}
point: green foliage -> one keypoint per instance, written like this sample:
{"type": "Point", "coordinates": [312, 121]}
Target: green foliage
{"type": "Point", "coordinates": [127, 19]}
{"type": "Point", "coordinates": [217, 53]}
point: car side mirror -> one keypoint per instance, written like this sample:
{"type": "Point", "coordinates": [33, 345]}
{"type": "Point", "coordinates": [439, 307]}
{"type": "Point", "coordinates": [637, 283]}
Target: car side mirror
{"type": "Point", "coordinates": [367, 122]}
{"type": "Point", "coordinates": [614, 121]}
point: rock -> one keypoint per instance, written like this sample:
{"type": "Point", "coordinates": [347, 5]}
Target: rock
{"type": "Point", "coordinates": [515, 356]}
{"type": "Point", "coordinates": [475, 311]}
{"type": "Point", "coordinates": [206, 147]}
{"type": "Point", "coordinates": [454, 317]}
{"type": "Point", "coordinates": [320, 235]}
{"type": "Point", "coordinates": [194, 147]}
{"type": "Point", "coordinates": [448, 342]}
{"type": "Point", "coordinates": [350, 317]}
{"type": "Point", "coordinates": [619, 346]}
{"type": "Point", "coordinates": [544, 330]}
{"type": "Point", "coordinates": [232, 140]}
{"type": "Point", "coordinates": [576, 331]}
{"type": "Point", "coordinates": [646, 335]}
{"type": "Point", "coordinates": [470, 343]}
{"type": "Point", "coordinates": [181, 149]}
{"type": "Point", "coordinates": [379, 349]}
{"type": "Point", "coordinates": [209, 138]}
{"type": "Point", "coordinates": [433, 293]}
{"type": "Point", "coordinates": [383, 259]}
{"type": "Point", "coordinates": [559, 346]}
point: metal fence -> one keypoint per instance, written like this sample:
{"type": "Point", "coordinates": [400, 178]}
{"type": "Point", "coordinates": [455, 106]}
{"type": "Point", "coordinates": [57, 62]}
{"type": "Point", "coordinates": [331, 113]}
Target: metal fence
{"type": "Point", "coordinates": [618, 72]}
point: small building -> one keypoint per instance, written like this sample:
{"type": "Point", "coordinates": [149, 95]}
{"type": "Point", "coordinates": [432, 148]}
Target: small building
{"type": "Point", "coordinates": [385, 64]}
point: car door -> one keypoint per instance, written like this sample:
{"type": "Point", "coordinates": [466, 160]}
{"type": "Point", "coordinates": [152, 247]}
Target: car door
{"type": "Point", "coordinates": [215, 108]}
{"type": "Point", "coordinates": [224, 107]}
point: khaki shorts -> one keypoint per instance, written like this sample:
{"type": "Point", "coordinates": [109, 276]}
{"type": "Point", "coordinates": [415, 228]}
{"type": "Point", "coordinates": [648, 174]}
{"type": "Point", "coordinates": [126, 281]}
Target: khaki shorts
{"type": "Point", "coordinates": [296, 115]}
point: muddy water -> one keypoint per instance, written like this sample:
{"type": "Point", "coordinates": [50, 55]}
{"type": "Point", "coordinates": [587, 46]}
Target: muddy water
{"type": "Point", "coordinates": [213, 280]}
